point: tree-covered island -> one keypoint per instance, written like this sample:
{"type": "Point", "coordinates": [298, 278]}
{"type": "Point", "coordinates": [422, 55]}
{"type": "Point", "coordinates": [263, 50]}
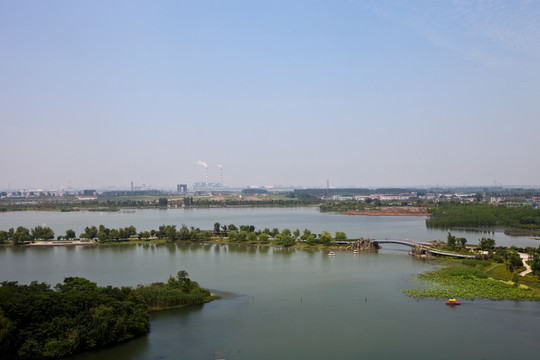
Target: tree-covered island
{"type": "Point", "coordinates": [40, 322]}
{"type": "Point", "coordinates": [517, 220]}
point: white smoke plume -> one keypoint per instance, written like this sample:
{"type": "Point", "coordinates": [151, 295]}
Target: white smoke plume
{"type": "Point", "coordinates": [202, 163]}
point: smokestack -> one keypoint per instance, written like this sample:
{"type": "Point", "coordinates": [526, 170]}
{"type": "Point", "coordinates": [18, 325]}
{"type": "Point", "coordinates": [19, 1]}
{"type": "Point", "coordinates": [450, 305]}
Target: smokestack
{"type": "Point", "coordinates": [206, 167]}
{"type": "Point", "coordinates": [220, 175]}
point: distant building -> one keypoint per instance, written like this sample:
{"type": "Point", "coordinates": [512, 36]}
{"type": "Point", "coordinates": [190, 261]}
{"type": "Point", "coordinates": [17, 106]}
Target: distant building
{"type": "Point", "coordinates": [181, 188]}
{"type": "Point", "coordinates": [86, 198]}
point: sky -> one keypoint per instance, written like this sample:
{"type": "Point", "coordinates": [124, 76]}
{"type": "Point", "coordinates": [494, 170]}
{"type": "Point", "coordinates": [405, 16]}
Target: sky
{"type": "Point", "coordinates": [279, 93]}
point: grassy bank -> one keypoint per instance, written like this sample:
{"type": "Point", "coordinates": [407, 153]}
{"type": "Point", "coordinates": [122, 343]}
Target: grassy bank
{"type": "Point", "coordinates": [471, 279]}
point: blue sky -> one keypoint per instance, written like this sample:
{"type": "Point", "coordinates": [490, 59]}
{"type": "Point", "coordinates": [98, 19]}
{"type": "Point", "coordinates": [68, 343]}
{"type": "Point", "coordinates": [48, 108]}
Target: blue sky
{"type": "Point", "coordinates": [363, 93]}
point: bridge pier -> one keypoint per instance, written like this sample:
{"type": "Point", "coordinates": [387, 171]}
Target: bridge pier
{"type": "Point", "coordinates": [420, 251]}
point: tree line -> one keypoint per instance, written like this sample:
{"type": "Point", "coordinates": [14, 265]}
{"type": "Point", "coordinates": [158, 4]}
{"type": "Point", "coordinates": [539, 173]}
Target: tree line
{"type": "Point", "coordinates": [368, 204]}
{"type": "Point", "coordinates": [478, 215]}
{"type": "Point", "coordinates": [285, 237]}
{"type": "Point", "coordinates": [231, 233]}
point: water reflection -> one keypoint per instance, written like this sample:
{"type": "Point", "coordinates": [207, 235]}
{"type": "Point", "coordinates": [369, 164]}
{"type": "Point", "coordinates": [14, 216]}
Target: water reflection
{"type": "Point", "coordinates": [285, 252]}
{"type": "Point", "coordinates": [172, 249]}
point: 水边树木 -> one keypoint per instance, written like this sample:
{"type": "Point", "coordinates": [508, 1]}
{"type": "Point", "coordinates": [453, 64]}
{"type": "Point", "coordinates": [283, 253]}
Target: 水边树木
{"type": "Point", "coordinates": [40, 322]}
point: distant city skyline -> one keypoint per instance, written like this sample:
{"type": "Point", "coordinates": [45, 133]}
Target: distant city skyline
{"type": "Point", "coordinates": [373, 93]}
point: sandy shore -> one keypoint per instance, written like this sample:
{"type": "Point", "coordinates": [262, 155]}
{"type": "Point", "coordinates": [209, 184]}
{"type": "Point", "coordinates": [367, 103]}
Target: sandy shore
{"type": "Point", "coordinates": [390, 211]}
{"type": "Point", "coordinates": [63, 243]}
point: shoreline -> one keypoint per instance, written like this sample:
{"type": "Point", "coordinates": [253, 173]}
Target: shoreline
{"type": "Point", "coordinates": [383, 213]}
{"type": "Point", "coordinates": [63, 243]}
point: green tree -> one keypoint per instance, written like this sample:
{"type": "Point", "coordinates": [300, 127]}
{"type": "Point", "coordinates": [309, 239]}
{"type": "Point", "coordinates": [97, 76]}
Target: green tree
{"type": "Point", "coordinates": [451, 241]}
{"type": "Point", "coordinates": [114, 234]}
{"type": "Point", "coordinates": [90, 232]}
{"type": "Point", "coordinates": [535, 266]}
{"type": "Point", "coordinates": [4, 236]}
{"type": "Point", "coordinates": [130, 231]}
{"type": "Point", "coordinates": [285, 239]}
{"type": "Point", "coordinates": [21, 235]}
{"type": "Point", "coordinates": [252, 238]}
{"type": "Point", "coordinates": [325, 238]}
{"type": "Point", "coordinates": [171, 232]}
{"type": "Point", "coordinates": [184, 234]}
{"type": "Point", "coordinates": [340, 236]}
{"type": "Point", "coordinates": [514, 260]}
{"type": "Point", "coordinates": [103, 236]}
{"type": "Point", "coordinates": [515, 278]}
{"type": "Point", "coordinates": [206, 235]}
{"type": "Point", "coordinates": [42, 233]}
{"type": "Point", "coordinates": [70, 234]}
{"type": "Point", "coordinates": [242, 236]}
{"type": "Point", "coordinates": [7, 336]}
{"type": "Point", "coordinates": [144, 235]}
{"type": "Point", "coordinates": [217, 228]}
{"type": "Point", "coordinates": [263, 238]}
{"type": "Point", "coordinates": [306, 234]}
{"type": "Point", "coordinates": [487, 244]}
{"type": "Point", "coordinates": [462, 242]}
{"type": "Point", "coordinates": [296, 234]}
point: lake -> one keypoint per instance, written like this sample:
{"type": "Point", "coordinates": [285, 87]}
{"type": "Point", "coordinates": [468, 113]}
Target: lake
{"type": "Point", "coordinates": [282, 303]}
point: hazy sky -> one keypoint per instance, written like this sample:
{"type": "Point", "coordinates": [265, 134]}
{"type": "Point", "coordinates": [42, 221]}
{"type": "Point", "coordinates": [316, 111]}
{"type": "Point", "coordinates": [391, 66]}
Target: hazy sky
{"type": "Point", "coordinates": [363, 93]}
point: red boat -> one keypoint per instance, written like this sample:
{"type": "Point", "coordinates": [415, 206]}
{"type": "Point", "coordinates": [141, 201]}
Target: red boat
{"type": "Point", "coordinates": [453, 302]}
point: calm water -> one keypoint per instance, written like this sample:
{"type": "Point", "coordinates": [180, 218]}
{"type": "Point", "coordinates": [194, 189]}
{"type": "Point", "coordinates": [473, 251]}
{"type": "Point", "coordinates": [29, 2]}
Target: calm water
{"type": "Point", "coordinates": [290, 304]}
{"type": "Point", "coordinates": [283, 304]}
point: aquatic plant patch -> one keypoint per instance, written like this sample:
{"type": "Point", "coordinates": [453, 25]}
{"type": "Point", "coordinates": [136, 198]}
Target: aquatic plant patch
{"type": "Point", "coordinates": [461, 281]}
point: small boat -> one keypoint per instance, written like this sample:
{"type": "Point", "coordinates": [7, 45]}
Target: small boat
{"type": "Point", "coordinates": [355, 252]}
{"type": "Point", "coordinates": [331, 253]}
{"type": "Point", "coordinates": [453, 302]}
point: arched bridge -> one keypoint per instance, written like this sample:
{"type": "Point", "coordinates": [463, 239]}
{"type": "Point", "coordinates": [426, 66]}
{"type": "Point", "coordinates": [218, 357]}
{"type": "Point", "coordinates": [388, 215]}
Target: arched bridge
{"type": "Point", "coordinates": [411, 243]}
{"type": "Point", "coordinates": [401, 242]}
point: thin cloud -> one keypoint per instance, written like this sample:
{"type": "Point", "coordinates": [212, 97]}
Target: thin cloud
{"type": "Point", "coordinates": [496, 34]}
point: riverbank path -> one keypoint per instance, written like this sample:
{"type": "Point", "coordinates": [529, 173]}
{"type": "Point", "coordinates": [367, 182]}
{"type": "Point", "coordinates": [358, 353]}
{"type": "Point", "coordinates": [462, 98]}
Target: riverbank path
{"type": "Point", "coordinates": [524, 257]}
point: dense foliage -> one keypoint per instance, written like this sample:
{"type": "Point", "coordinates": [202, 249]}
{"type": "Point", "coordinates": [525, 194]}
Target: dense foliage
{"type": "Point", "coordinates": [177, 292]}
{"type": "Point", "coordinates": [37, 322]}
{"type": "Point", "coordinates": [477, 215]}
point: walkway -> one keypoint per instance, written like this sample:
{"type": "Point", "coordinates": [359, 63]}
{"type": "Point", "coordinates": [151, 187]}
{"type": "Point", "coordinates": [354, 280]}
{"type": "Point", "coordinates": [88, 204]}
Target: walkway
{"type": "Point", "coordinates": [524, 258]}
{"type": "Point", "coordinates": [412, 243]}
